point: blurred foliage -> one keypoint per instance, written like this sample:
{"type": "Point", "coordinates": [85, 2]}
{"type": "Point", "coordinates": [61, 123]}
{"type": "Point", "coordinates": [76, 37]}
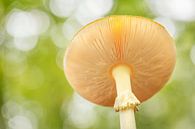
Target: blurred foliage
{"type": "Point", "coordinates": [34, 80]}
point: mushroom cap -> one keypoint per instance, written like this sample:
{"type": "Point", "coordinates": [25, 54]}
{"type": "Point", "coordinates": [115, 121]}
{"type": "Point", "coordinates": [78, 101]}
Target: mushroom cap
{"type": "Point", "coordinates": [140, 43]}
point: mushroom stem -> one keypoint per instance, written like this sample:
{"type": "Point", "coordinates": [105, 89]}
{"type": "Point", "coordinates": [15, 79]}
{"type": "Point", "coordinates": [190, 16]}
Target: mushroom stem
{"type": "Point", "coordinates": [126, 101]}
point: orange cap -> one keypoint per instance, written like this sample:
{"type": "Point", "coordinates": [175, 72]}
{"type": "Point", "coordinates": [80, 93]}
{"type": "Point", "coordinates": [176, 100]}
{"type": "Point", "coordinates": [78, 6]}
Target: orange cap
{"type": "Point", "coordinates": [140, 43]}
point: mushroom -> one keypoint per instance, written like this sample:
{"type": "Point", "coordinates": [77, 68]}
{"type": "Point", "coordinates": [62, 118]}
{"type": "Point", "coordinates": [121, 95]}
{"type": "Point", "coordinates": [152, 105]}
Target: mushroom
{"type": "Point", "coordinates": [120, 61]}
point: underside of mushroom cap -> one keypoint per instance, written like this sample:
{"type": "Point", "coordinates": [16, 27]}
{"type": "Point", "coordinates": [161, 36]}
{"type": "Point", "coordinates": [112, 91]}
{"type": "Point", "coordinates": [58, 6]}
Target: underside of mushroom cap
{"type": "Point", "coordinates": [140, 43]}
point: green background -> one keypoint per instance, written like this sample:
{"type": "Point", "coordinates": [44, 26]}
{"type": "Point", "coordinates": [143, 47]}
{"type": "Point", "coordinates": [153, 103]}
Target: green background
{"type": "Point", "coordinates": [33, 87]}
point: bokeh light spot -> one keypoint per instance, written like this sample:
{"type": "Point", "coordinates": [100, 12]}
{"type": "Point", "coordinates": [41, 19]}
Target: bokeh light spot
{"type": "Point", "coordinates": [63, 8]}
{"type": "Point", "coordinates": [182, 10]}
{"type": "Point", "coordinates": [78, 108]}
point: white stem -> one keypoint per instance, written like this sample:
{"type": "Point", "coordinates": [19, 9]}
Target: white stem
{"type": "Point", "coordinates": [121, 75]}
{"type": "Point", "coordinates": [127, 119]}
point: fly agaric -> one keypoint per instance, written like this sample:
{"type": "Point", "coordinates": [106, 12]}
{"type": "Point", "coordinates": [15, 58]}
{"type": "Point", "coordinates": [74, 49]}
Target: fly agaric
{"type": "Point", "coordinates": [120, 61]}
